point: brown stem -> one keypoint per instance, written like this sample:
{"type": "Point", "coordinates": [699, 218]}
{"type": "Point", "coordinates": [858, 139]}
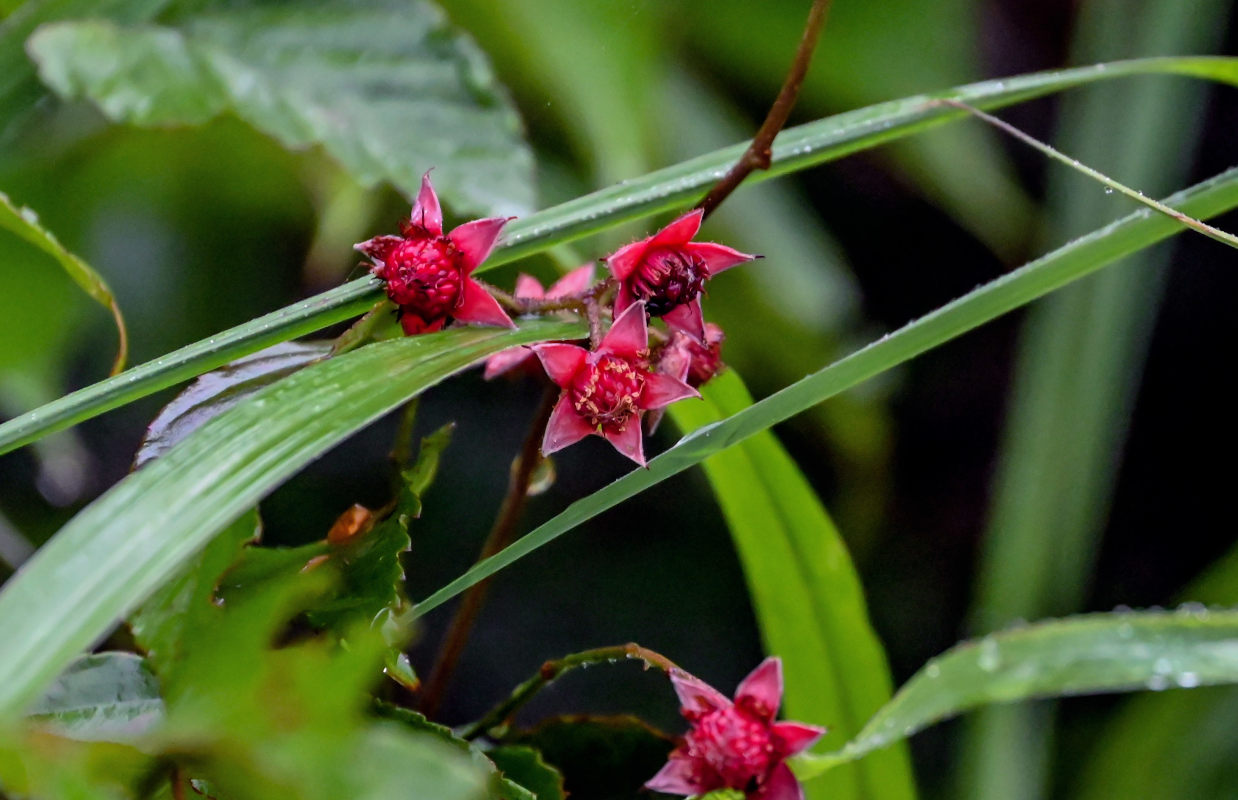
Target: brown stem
{"type": "Point", "coordinates": [757, 156]}
{"type": "Point", "coordinates": [501, 535]}
{"type": "Point", "coordinates": [553, 669]}
{"type": "Point", "coordinates": [178, 784]}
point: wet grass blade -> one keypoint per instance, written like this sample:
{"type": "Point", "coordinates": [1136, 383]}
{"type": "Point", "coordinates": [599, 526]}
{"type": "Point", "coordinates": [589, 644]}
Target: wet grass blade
{"type": "Point", "coordinates": [664, 190]}
{"type": "Point", "coordinates": [117, 550]}
{"type": "Point", "coordinates": [1059, 268]}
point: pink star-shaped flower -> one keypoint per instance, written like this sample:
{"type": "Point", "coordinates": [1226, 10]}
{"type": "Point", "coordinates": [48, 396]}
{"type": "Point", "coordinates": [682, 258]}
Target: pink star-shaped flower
{"type": "Point", "coordinates": [529, 287]}
{"type": "Point", "coordinates": [735, 745]}
{"type": "Point", "coordinates": [427, 273]}
{"type": "Point", "coordinates": [606, 390]}
{"type": "Point", "coordinates": [668, 270]}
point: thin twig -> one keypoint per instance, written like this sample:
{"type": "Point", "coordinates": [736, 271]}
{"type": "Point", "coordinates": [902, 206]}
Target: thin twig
{"type": "Point", "coordinates": [758, 155]}
{"type": "Point", "coordinates": [177, 779]}
{"type": "Point", "coordinates": [501, 535]}
{"type": "Point", "coordinates": [1190, 222]}
{"type": "Point", "coordinates": [553, 669]}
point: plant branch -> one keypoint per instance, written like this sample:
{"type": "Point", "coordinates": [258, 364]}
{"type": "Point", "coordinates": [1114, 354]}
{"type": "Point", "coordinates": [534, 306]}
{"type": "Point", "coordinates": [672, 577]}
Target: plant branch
{"type": "Point", "coordinates": [553, 669]}
{"type": "Point", "coordinates": [1195, 224]}
{"type": "Point", "coordinates": [501, 534]}
{"type": "Point", "coordinates": [758, 154]}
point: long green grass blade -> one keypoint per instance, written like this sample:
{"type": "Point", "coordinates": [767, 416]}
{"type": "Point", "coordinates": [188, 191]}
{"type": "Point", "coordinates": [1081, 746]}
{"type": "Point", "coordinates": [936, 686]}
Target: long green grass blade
{"type": "Point", "coordinates": [795, 149]}
{"type": "Point", "coordinates": [118, 549]}
{"type": "Point", "coordinates": [1059, 268]}
{"type": "Point", "coordinates": [805, 592]}
{"type": "Point", "coordinates": [1080, 358]}
{"type": "Point", "coordinates": [1114, 652]}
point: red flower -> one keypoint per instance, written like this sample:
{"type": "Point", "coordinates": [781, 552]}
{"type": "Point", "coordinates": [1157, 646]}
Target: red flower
{"type": "Point", "coordinates": [606, 391]}
{"type": "Point", "coordinates": [427, 273]}
{"type": "Point", "coordinates": [735, 745]}
{"type": "Point", "coordinates": [693, 361]}
{"type": "Point", "coordinates": [527, 286]}
{"type": "Point", "coordinates": [668, 271]}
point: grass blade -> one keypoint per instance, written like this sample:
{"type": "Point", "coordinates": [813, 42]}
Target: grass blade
{"type": "Point", "coordinates": [118, 549]}
{"type": "Point", "coordinates": [805, 592]}
{"type": "Point", "coordinates": [664, 190]}
{"type": "Point", "coordinates": [1059, 268]}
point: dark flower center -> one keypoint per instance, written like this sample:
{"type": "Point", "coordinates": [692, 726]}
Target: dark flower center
{"type": "Point", "coordinates": [668, 277]}
{"type": "Point", "coordinates": [605, 393]}
{"type": "Point", "coordinates": [424, 276]}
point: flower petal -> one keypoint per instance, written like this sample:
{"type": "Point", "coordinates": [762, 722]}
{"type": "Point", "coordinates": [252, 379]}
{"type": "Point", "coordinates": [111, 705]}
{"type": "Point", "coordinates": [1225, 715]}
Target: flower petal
{"type": "Point", "coordinates": [476, 239]}
{"type": "Point", "coordinates": [564, 427]}
{"type": "Point", "coordinates": [717, 257]}
{"type": "Point", "coordinates": [412, 324]}
{"type": "Point", "coordinates": [505, 361]}
{"type": "Point", "coordinates": [427, 213]}
{"type": "Point", "coordinates": [623, 261]}
{"type": "Point", "coordinates": [629, 335]}
{"type": "Point", "coordinates": [623, 299]}
{"type": "Point", "coordinates": [796, 736]}
{"type": "Point", "coordinates": [476, 305]}
{"type": "Point", "coordinates": [780, 785]}
{"type": "Point", "coordinates": [761, 691]}
{"type": "Point", "coordinates": [680, 231]}
{"type": "Point", "coordinates": [574, 282]}
{"type": "Point", "coordinates": [662, 390]}
{"type": "Point", "coordinates": [677, 777]}
{"type": "Point", "coordinates": [629, 441]}
{"type": "Point", "coordinates": [688, 318]}
{"type": "Point", "coordinates": [528, 286]}
{"type": "Point", "coordinates": [696, 697]}
{"type": "Point", "coordinates": [379, 248]}
{"type": "Point", "coordinates": [561, 361]}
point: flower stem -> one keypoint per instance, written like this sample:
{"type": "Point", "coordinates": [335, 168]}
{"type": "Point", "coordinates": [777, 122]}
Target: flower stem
{"type": "Point", "coordinates": [501, 534]}
{"type": "Point", "coordinates": [553, 669]}
{"type": "Point", "coordinates": [757, 156]}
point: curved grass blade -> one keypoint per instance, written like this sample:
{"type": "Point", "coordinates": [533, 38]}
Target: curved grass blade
{"type": "Point", "coordinates": [1059, 268]}
{"type": "Point", "coordinates": [806, 594]}
{"type": "Point", "coordinates": [1088, 654]}
{"type": "Point", "coordinates": [666, 189]}
{"type": "Point", "coordinates": [24, 223]}
{"type": "Point", "coordinates": [117, 550]}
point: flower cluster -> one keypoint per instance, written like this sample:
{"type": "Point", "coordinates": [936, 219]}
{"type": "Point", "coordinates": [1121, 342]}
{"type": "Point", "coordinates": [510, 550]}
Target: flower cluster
{"type": "Point", "coordinates": [607, 388]}
{"type": "Point", "coordinates": [735, 745]}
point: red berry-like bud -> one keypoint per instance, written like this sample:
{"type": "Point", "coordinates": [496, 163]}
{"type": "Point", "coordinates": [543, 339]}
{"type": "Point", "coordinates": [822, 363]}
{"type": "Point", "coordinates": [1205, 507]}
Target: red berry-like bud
{"type": "Point", "coordinates": [668, 277]}
{"type": "Point", "coordinates": [424, 277]}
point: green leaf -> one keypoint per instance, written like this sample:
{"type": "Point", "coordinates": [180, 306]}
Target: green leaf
{"type": "Point", "coordinates": [102, 697]}
{"type": "Point", "coordinates": [24, 223]}
{"type": "Point", "coordinates": [601, 758]}
{"type": "Point", "coordinates": [524, 766]}
{"type": "Point", "coordinates": [1066, 264]}
{"type": "Point", "coordinates": [664, 190]}
{"type": "Point", "coordinates": [386, 87]}
{"type": "Point", "coordinates": [1088, 654]}
{"type": "Point", "coordinates": [417, 478]}
{"type": "Point", "coordinates": [805, 591]}
{"type": "Point", "coordinates": [217, 391]}
{"type": "Point", "coordinates": [118, 549]}
{"type": "Point", "coordinates": [173, 614]}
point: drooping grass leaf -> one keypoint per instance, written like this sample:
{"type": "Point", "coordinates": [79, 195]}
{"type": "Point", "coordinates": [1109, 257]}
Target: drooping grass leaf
{"type": "Point", "coordinates": [24, 223]}
{"type": "Point", "coordinates": [1113, 652]}
{"type": "Point", "coordinates": [666, 189]}
{"type": "Point", "coordinates": [1059, 268]}
{"type": "Point", "coordinates": [806, 594]}
{"type": "Point", "coordinates": [121, 547]}
{"type": "Point", "coordinates": [386, 87]}
{"type": "Point", "coordinates": [101, 697]}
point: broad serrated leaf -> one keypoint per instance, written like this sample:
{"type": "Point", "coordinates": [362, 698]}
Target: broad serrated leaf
{"type": "Point", "coordinates": [121, 547]}
{"type": "Point", "coordinates": [216, 392]}
{"type": "Point", "coordinates": [24, 223]}
{"type": "Point", "coordinates": [600, 758]}
{"type": "Point", "coordinates": [184, 604]}
{"type": "Point", "coordinates": [386, 87]}
{"type": "Point", "coordinates": [1116, 652]}
{"type": "Point", "coordinates": [102, 697]}
{"type": "Point", "coordinates": [524, 766]}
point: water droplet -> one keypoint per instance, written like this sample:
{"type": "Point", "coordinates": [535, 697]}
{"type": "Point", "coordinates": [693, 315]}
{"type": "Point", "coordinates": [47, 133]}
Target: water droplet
{"type": "Point", "coordinates": [1188, 680]}
{"type": "Point", "coordinates": [1162, 666]}
{"type": "Point", "coordinates": [1108, 190]}
{"type": "Point", "coordinates": [990, 657]}
{"type": "Point", "coordinates": [932, 670]}
{"type": "Point", "coordinates": [1158, 683]}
